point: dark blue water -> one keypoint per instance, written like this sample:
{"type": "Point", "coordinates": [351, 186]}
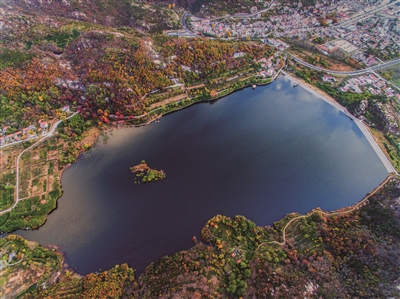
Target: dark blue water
{"type": "Point", "coordinates": [260, 153]}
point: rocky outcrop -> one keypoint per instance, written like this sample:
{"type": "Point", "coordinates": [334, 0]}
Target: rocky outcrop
{"type": "Point", "coordinates": [382, 115]}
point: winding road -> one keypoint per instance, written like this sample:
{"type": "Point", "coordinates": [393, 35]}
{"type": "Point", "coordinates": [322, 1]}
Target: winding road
{"type": "Point", "coordinates": [328, 214]}
{"type": "Point", "coordinates": [48, 135]}
{"type": "Point", "coordinates": [349, 73]}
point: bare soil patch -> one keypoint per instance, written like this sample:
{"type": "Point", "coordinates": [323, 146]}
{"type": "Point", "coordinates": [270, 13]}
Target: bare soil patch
{"type": "Point", "coordinates": [91, 136]}
{"type": "Point", "coordinates": [140, 167]}
{"type": "Point", "coordinates": [169, 100]}
{"type": "Point", "coordinates": [195, 86]}
{"type": "Point", "coordinates": [50, 182]}
{"type": "Point", "coordinates": [334, 65]}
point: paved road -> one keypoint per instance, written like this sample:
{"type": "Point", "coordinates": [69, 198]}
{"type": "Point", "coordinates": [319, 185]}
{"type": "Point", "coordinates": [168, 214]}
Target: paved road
{"type": "Point", "coordinates": [364, 15]}
{"type": "Point", "coordinates": [186, 32]}
{"type": "Point", "coordinates": [357, 72]}
{"type": "Point", "coordinates": [183, 20]}
{"type": "Point", "coordinates": [49, 134]}
{"type": "Point", "coordinates": [350, 73]}
{"type": "Point", "coordinates": [17, 142]}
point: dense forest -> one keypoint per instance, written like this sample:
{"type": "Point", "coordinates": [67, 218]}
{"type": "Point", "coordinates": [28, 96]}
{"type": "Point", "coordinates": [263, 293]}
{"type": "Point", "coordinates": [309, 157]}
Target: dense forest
{"type": "Point", "coordinates": [101, 61]}
{"type": "Point", "coordinates": [54, 66]}
{"type": "Point", "coordinates": [106, 73]}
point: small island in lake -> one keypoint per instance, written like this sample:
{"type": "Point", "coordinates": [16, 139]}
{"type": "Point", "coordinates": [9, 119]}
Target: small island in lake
{"type": "Point", "coordinates": [145, 174]}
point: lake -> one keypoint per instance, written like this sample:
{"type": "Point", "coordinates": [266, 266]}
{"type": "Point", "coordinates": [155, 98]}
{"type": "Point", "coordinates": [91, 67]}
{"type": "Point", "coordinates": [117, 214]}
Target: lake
{"type": "Point", "coordinates": [260, 153]}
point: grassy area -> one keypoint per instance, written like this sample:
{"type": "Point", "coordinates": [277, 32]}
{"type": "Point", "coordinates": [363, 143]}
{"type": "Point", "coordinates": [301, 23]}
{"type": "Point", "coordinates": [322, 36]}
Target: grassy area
{"type": "Point", "coordinates": [27, 263]}
{"type": "Point", "coordinates": [396, 81]}
{"type": "Point", "coordinates": [6, 197]}
{"type": "Point", "coordinates": [30, 212]}
{"type": "Point", "coordinates": [7, 183]}
{"type": "Point", "coordinates": [61, 39]}
{"type": "Point", "coordinates": [12, 58]}
{"type": "Point", "coordinates": [392, 74]}
{"type": "Point", "coordinates": [390, 144]}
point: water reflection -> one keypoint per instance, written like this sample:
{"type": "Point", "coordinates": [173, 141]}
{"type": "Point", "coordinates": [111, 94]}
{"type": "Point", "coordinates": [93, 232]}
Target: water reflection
{"type": "Point", "coordinates": [261, 153]}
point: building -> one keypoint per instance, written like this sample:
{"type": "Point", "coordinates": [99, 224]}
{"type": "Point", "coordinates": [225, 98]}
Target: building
{"type": "Point", "coordinates": [238, 54]}
{"type": "Point", "coordinates": [43, 124]}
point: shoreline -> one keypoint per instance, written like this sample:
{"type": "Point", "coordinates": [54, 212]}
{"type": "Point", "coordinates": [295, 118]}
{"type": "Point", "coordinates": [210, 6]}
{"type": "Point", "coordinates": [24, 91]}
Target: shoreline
{"type": "Point", "coordinates": [360, 124]}
{"type": "Point", "coordinates": [203, 101]}
{"type": "Point", "coordinates": [310, 88]}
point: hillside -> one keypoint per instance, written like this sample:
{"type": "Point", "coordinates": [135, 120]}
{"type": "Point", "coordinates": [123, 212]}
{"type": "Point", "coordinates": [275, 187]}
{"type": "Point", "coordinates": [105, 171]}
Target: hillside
{"type": "Point", "coordinates": [100, 70]}
{"type": "Point", "coordinates": [109, 13]}
{"type": "Point", "coordinates": [52, 65]}
{"type": "Point", "coordinates": [349, 254]}
{"type": "Point", "coordinates": [106, 60]}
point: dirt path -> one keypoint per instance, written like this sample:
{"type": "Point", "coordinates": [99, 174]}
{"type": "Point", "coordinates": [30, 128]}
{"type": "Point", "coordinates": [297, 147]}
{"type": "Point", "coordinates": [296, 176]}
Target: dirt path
{"type": "Point", "coordinates": [328, 214]}
{"type": "Point", "coordinates": [195, 86]}
{"type": "Point", "coordinates": [169, 100]}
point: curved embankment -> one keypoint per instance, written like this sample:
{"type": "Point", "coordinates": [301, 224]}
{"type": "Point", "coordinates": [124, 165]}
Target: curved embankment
{"type": "Point", "coordinates": [211, 99]}
{"type": "Point", "coordinates": [329, 214]}
{"type": "Point", "coordinates": [385, 161]}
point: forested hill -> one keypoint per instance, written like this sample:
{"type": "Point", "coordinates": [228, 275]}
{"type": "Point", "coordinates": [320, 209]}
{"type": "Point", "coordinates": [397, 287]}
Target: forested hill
{"type": "Point", "coordinates": [152, 15]}
{"type": "Point", "coordinates": [211, 8]}
{"type": "Point", "coordinates": [344, 255]}
{"type": "Point", "coordinates": [110, 13]}
{"type": "Point", "coordinates": [47, 61]}
{"type": "Point", "coordinates": [53, 66]}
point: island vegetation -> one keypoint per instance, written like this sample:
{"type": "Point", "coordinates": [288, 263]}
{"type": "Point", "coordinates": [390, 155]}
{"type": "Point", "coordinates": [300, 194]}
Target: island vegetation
{"type": "Point", "coordinates": [108, 61]}
{"type": "Point", "coordinates": [108, 72]}
{"type": "Point", "coordinates": [145, 174]}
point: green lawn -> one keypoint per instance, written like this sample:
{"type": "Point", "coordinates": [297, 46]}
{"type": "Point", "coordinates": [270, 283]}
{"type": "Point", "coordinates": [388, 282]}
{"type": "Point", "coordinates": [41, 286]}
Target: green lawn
{"type": "Point", "coordinates": [6, 198]}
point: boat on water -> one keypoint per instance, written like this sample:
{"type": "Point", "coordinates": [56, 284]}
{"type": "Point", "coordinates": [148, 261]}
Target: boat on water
{"type": "Point", "coordinates": [295, 85]}
{"type": "Point", "coordinates": [253, 85]}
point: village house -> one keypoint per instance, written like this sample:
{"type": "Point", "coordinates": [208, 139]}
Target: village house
{"type": "Point", "coordinates": [9, 137]}
{"type": "Point", "coordinates": [4, 129]}
{"type": "Point", "coordinates": [65, 109]}
{"type": "Point", "coordinates": [43, 124]}
{"type": "Point", "coordinates": [238, 54]}
{"type": "Point", "coordinates": [329, 79]}
{"type": "Point", "coordinates": [17, 135]}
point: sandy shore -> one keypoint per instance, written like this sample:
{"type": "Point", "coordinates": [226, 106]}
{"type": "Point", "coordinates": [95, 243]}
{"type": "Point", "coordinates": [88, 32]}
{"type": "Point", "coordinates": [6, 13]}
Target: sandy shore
{"type": "Point", "coordinates": [316, 91]}
{"type": "Point", "coordinates": [363, 127]}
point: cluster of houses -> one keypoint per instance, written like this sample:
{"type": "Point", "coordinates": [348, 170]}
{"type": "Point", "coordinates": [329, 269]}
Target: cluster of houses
{"type": "Point", "coordinates": [268, 67]}
{"type": "Point", "coordinates": [375, 32]}
{"type": "Point", "coordinates": [296, 21]}
{"type": "Point", "coordinates": [277, 43]}
{"type": "Point", "coordinates": [328, 79]}
{"type": "Point", "coordinates": [30, 132]}
{"type": "Point", "coordinates": [354, 37]}
{"type": "Point", "coordinates": [267, 64]}
{"type": "Point", "coordinates": [10, 135]}
{"type": "Point", "coordinates": [369, 83]}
